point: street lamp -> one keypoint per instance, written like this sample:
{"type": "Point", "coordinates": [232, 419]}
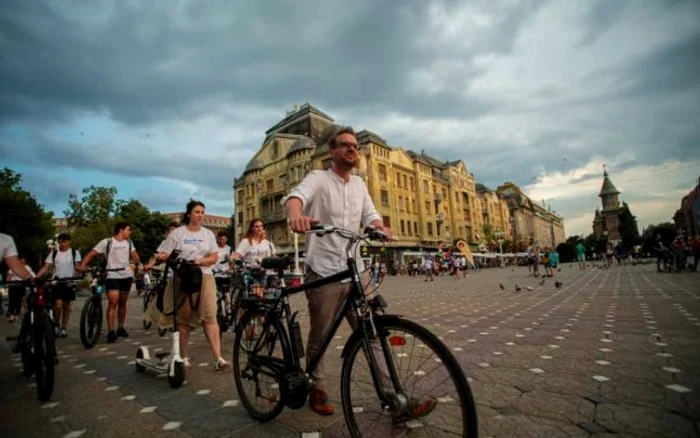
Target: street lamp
{"type": "Point", "coordinates": [499, 236]}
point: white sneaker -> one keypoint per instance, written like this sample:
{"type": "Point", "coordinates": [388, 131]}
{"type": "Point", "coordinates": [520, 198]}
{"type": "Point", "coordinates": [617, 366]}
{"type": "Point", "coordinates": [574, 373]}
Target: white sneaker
{"type": "Point", "coordinates": [187, 363]}
{"type": "Point", "coordinates": [221, 365]}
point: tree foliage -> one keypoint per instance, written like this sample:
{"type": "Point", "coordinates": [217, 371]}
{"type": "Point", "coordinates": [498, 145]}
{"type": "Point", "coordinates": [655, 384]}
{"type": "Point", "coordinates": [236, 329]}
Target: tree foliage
{"type": "Point", "coordinates": [628, 229]}
{"type": "Point", "coordinates": [98, 204]}
{"type": "Point", "coordinates": [94, 215]}
{"type": "Point", "coordinates": [567, 252]}
{"type": "Point", "coordinates": [147, 227]}
{"type": "Point", "coordinates": [667, 231]}
{"type": "Point", "coordinates": [22, 217]}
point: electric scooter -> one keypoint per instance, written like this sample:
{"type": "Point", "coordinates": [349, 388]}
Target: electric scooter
{"type": "Point", "coordinates": [171, 362]}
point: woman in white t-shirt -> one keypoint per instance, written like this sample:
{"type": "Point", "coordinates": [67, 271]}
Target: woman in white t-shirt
{"type": "Point", "coordinates": [196, 244]}
{"type": "Point", "coordinates": [254, 246]}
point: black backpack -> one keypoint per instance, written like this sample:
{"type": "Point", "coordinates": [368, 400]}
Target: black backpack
{"type": "Point", "coordinates": [109, 248]}
{"type": "Point", "coordinates": [55, 251]}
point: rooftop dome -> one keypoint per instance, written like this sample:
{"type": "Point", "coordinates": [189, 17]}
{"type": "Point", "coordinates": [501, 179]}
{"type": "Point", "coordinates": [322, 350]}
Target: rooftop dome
{"type": "Point", "coordinates": [302, 144]}
{"type": "Point", "coordinates": [253, 164]}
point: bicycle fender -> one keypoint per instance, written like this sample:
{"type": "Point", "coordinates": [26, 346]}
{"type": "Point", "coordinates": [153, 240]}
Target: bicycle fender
{"type": "Point", "coordinates": [356, 335]}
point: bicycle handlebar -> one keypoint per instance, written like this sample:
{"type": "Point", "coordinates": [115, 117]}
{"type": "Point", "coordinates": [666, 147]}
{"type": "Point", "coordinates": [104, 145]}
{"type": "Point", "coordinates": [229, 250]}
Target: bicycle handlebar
{"type": "Point", "coordinates": [370, 233]}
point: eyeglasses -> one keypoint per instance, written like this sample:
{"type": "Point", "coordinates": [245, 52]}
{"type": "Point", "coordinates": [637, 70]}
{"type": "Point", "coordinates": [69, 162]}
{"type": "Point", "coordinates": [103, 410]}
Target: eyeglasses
{"type": "Point", "coordinates": [347, 145]}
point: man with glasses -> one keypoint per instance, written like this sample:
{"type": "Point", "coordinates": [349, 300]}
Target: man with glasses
{"type": "Point", "coordinates": [332, 197]}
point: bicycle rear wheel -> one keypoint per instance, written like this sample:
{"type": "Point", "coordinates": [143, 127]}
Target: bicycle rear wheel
{"type": "Point", "coordinates": [44, 357]}
{"type": "Point", "coordinates": [91, 321]}
{"type": "Point", "coordinates": [434, 394]}
{"type": "Point", "coordinates": [259, 390]}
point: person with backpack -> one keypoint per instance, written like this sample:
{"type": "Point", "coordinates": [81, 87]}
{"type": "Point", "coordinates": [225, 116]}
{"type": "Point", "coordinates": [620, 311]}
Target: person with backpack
{"type": "Point", "coordinates": [119, 253]}
{"type": "Point", "coordinates": [64, 261]}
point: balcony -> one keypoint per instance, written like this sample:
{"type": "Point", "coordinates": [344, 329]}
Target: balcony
{"type": "Point", "coordinates": [273, 217]}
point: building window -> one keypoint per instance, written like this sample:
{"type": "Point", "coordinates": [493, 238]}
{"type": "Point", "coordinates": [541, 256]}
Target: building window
{"type": "Point", "coordinates": [398, 179]}
{"type": "Point", "coordinates": [413, 204]}
{"type": "Point", "coordinates": [401, 206]}
{"type": "Point", "coordinates": [240, 218]}
{"type": "Point", "coordinates": [426, 187]}
{"type": "Point", "coordinates": [404, 182]}
{"type": "Point", "coordinates": [382, 172]}
{"type": "Point", "coordinates": [387, 221]}
{"type": "Point", "coordinates": [283, 181]}
{"type": "Point", "coordinates": [239, 197]}
{"type": "Point", "coordinates": [430, 229]}
{"type": "Point", "coordinates": [385, 198]}
{"type": "Point", "coordinates": [269, 184]}
{"type": "Point", "coordinates": [415, 228]}
{"type": "Point", "coordinates": [411, 182]}
{"type": "Point", "coordinates": [403, 230]}
{"type": "Point", "coordinates": [427, 207]}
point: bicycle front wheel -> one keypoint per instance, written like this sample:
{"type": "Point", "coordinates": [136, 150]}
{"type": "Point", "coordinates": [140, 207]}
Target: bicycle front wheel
{"type": "Point", "coordinates": [45, 357]}
{"type": "Point", "coordinates": [431, 393]}
{"type": "Point", "coordinates": [91, 321]}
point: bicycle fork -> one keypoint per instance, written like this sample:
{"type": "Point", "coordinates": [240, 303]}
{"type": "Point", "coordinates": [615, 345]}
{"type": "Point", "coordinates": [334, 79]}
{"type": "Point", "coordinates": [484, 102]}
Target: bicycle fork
{"type": "Point", "coordinates": [384, 375]}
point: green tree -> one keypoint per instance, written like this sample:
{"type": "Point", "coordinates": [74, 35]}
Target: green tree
{"type": "Point", "coordinates": [23, 218]}
{"type": "Point", "coordinates": [146, 226]}
{"type": "Point", "coordinates": [667, 231]}
{"type": "Point", "coordinates": [628, 229]}
{"type": "Point", "coordinates": [231, 230]}
{"type": "Point", "coordinates": [592, 244]}
{"type": "Point", "coordinates": [567, 252]}
{"type": "Point", "coordinates": [98, 204]}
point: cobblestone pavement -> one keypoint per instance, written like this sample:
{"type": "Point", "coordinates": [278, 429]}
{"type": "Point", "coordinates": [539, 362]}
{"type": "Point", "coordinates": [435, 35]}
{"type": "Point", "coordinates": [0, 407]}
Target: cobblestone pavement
{"type": "Point", "coordinates": [611, 352]}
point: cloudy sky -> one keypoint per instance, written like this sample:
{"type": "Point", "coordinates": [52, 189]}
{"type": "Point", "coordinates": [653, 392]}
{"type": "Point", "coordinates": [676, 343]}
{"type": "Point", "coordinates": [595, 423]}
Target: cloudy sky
{"type": "Point", "coordinates": [170, 101]}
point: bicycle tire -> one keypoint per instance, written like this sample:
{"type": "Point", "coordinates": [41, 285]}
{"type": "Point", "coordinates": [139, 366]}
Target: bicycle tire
{"type": "Point", "coordinates": [91, 315]}
{"type": "Point", "coordinates": [28, 365]}
{"type": "Point", "coordinates": [44, 357]}
{"type": "Point", "coordinates": [282, 335]}
{"type": "Point", "coordinates": [389, 322]}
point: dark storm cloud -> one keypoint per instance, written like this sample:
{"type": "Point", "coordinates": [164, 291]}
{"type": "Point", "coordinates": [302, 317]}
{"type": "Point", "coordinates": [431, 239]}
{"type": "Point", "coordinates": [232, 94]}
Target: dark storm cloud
{"type": "Point", "coordinates": [42, 150]}
{"type": "Point", "coordinates": [141, 64]}
{"type": "Point", "coordinates": [601, 16]}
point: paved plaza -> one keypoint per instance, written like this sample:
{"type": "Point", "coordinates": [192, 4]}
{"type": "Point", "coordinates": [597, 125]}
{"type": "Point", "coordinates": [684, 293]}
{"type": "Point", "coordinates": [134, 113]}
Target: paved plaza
{"type": "Point", "coordinates": [610, 353]}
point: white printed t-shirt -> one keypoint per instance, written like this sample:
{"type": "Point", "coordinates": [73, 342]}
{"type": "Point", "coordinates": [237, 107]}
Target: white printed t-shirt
{"type": "Point", "coordinates": [256, 251]}
{"type": "Point", "coordinates": [118, 257]}
{"type": "Point", "coordinates": [221, 261]}
{"type": "Point", "coordinates": [192, 245]}
{"type": "Point", "coordinates": [65, 265]}
{"type": "Point", "coordinates": [7, 246]}
{"type": "Point", "coordinates": [327, 197]}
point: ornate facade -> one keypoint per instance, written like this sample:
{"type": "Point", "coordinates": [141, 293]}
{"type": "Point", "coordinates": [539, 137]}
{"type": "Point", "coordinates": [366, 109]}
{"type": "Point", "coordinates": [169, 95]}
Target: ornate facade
{"type": "Point", "coordinates": [424, 200]}
{"type": "Point", "coordinates": [530, 220]}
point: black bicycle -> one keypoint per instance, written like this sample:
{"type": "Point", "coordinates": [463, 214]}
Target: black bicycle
{"type": "Point", "coordinates": [269, 375]}
{"type": "Point", "coordinates": [92, 314]}
{"type": "Point", "coordinates": [150, 292]}
{"type": "Point", "coordinates": [36, 342]}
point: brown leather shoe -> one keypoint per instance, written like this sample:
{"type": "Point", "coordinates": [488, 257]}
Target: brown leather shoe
{"type": "Point", "coordinates": [318, 400]}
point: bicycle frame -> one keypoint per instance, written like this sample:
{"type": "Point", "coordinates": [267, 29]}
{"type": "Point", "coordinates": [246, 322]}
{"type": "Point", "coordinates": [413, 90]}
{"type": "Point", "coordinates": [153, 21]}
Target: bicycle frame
{"type": "Point", "coordinates": [355, 301]}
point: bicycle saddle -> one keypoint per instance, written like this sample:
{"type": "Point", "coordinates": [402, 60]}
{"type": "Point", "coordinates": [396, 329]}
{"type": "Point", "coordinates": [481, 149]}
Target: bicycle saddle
{"type": "Point", "coordinates": [275, 263]}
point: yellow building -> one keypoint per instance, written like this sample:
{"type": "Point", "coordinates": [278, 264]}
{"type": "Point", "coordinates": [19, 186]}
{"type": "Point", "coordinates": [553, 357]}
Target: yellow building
{"type": "Point", "coordinates": [531, 220]}
{"type": "Point", "coordinates": [497, 222]}
{"type": "Point", "coordinates": [425, 201]}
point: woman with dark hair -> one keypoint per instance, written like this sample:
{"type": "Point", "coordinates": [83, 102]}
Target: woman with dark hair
{"type": "Point", "coordinates": [198, 245]}
{"type": "Point", "coordinates": [254, 246]}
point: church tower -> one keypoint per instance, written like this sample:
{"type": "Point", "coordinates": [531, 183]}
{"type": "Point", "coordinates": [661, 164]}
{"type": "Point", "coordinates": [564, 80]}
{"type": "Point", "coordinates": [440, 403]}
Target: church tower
{"type": "Point", "coordinates": [606, 223]}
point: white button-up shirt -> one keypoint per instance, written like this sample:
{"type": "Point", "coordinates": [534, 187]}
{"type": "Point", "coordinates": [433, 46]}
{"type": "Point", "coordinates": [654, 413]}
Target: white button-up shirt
{"type": "Point", "coordinates": [327, 197]}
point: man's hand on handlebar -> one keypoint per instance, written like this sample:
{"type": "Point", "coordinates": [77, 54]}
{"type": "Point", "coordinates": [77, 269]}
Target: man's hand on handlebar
{"type": "Point", "coordinates": [385, 232]}
{"type": "Point", "coordinates": [301, 224]}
